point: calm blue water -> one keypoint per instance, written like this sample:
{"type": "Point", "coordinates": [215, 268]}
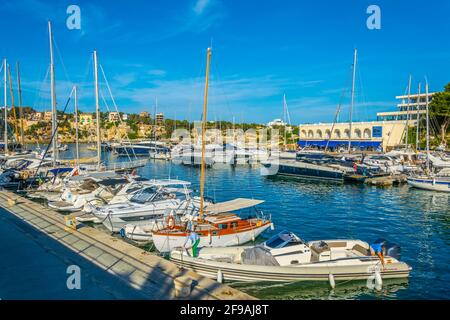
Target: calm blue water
{"type": "Point", "coordinates": [417, 220]}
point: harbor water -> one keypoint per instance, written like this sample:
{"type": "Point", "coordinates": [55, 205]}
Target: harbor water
{"type": "Point", "coordinates": [417, 220]}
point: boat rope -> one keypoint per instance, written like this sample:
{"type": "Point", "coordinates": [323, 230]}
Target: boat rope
{"type": "Point", "coordinates": [115, 106]}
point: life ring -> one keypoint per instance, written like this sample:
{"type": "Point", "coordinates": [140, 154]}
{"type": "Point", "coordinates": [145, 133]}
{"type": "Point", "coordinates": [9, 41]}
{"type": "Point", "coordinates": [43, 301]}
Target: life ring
{"type": "Point", "coordinates": [169, 219]}
{"type": "Point", "coordinates": [24, 175]}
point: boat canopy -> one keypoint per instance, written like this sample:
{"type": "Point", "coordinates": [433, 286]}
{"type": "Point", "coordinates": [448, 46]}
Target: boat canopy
{"type": "Point", "coordinates": [57, 171]}
{"type": "Point", "coordinates": [232, 205]}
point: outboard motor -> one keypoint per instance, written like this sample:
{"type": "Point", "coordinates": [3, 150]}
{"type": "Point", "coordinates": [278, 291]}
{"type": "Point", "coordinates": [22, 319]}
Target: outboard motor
{"type": "Point", "coordinates": [391, 249]}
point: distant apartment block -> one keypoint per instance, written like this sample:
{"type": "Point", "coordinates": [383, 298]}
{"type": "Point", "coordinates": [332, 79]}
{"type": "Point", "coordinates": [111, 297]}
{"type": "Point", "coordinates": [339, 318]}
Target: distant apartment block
{"type": "Point", "coordinates": [144, 114]}
{"type": "Point", "coordinates": [113, 116]}
{"type": "Point", "coordinates": [159, 119]}
{"type": "Point", "coordinates": [86, 119]}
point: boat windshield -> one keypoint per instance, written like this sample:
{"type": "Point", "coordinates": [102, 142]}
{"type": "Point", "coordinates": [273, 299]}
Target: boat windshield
{"type": "Point", "coordinates": [283, 239]}
{"type": "Point", "coordinates": [146, 195]}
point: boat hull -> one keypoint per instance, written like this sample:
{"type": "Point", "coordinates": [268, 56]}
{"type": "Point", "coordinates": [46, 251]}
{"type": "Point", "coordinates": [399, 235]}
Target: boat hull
{"type": "Point", "coordinates": [165, 243]}
{"type": "Point", "coordinates": [304, 170]}
{"type": "Point", "coordinates": [429, 184]}
{"type": "Point", "coordinates": [309, 272]}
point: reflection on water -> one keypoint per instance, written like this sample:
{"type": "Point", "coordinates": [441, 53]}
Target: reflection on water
{"type": "Point", "coordinates": [322, 290]}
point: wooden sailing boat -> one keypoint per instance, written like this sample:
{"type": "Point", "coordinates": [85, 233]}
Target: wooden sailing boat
{"type": "Point", "coordinates": [430, 181]}
{"type": "Point", "coordinates": [220, 227]}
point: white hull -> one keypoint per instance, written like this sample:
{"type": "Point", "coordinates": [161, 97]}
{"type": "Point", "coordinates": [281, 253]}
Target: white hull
{"type": "Point", "coordinates": [429, 184]}
{"type": "Point", "coordinates": [164, 243]}
{"type": "Point", "coordinates": [361, 269]}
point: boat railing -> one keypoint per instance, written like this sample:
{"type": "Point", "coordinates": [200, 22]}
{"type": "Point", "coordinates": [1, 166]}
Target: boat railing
{"type": "Point", "coordinates": [126, 164]}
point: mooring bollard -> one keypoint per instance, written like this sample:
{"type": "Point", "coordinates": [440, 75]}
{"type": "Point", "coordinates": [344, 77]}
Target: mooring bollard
{"type": "Point", "coordinates": [182, 287]}
{"type": "Point", "coordinates": [71, 223]}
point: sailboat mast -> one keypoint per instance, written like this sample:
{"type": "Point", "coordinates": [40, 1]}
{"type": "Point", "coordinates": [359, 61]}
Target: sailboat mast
{"type": "Point", "coordinates": [418, 118]}
{"type": "Point", "coordinates": [19, 92]}
{"type": "Point", "coordinates": [53, 96]}
{"type": "Point", "coordinates": [285, 121]}
{"type": "Point", "coordinates": [97, 111]}
{"type": "Point", "coordinates": [77, 148]}
{"type": "Point", "coordinates": [428, 132]}
{"type": "Point", "coordinates": [205, 105]}
{"type": "Point", "coordinates": [353, 100]}
{"type": "Point", "coordinates": [6, 105]}
{"type": "Point", "coordinates": [407, 112]}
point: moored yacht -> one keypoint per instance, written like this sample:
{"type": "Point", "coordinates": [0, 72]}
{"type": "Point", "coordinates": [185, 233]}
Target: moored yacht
{"type": "Point", "coordinates": [286, 257]}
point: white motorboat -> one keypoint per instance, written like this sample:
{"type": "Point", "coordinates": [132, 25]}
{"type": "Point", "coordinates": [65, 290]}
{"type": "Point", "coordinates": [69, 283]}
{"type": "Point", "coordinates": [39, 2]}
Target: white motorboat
{"type": "Point", "coordinates": [91, 191]}
{"type": "Point", "coordinates": [149, 203]}
{"type": "Point", "coordinates": [286, 257]}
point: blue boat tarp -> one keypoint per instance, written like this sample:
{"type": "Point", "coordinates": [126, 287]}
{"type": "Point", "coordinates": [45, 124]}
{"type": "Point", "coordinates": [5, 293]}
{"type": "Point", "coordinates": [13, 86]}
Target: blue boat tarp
{"type": "Point", "coordinates": [57, 171]}
{"type": "Point", "coordinates": [339, 143]}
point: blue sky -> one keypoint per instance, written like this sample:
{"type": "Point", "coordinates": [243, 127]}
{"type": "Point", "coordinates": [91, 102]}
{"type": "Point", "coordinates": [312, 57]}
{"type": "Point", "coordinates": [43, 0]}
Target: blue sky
{"type": "Point", "coordinates": [261, 50]}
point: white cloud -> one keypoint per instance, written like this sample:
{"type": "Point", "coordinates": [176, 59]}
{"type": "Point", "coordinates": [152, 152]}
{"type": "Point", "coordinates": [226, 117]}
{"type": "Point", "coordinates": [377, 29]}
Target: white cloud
{"type": "Point", "coordinates": [200, 6]}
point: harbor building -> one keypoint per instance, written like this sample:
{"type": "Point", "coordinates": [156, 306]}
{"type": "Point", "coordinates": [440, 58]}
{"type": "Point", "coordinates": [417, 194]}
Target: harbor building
{"type": "Point", "coordinates": [159, 119]}
{"type": "Point", "coordinates": [114, 116]}
{"type": "Point", "coordinates": [374, 135]}
{"type": "Point", "coordinates": [276, 122]}
{"type": "Point", "coordinates": [417, 105]}
{"type": "Point", "coordinates": [86, 119]}
{"type": "Point", "coordinates": [384, 134]}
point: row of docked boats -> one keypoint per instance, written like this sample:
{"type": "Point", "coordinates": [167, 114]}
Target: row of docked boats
{"type": "Point", "coordinates": [175, 220]}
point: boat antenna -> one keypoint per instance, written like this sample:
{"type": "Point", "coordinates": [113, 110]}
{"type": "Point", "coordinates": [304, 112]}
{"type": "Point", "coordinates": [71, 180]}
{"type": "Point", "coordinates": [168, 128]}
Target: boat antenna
{"type": "Point", "coordinates": [205, 105]}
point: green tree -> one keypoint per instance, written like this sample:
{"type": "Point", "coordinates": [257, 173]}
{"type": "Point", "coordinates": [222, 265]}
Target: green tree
{"type": "Point", "coordinates": [440, 110]}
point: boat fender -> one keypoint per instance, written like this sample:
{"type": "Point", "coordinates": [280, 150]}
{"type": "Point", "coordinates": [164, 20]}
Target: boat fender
{"type": "Point", "coordinates": [122, 232]}
{"type": "Point", "coordinates": [170, 222]}
{"type": "Point", "coordinates": [272, 227]}
{"type": "Point", "coordinates": [331, 280]}
{"type": "Point", "coordinates": [378, 280]}
{"type": "Point", "coordinates": [209, 237]}
{"type": "Point", "coordinates": [219, 276]}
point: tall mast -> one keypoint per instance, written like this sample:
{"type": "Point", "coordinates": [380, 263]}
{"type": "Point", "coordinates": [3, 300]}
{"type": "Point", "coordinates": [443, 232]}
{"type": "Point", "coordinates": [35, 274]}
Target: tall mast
{"type": "Point", "coordinates": [97, 111]}
{"type": "Point", "coordinates": [418, 118]}
{"type": "Point", "coordinates": [353, 99]}
{"type": "Point", "coordinates": [19, 92]}
{"type": "Point", "coordinates": [77, 149]}
{"type": "Point", "coordinates": [407, 112]}
{"type": "Point", "coordinates": [205, 105]}
{"type": "Point", "coordinates": [13, 109]}
{"type": "Point", "coordinates": [5, 105]}
{"type": "Point", "coordinates": [428, 133]}
{"type": "Point", "coordinates": [285, 121]}
{"type": "Point", "coordinates": [53, 96]}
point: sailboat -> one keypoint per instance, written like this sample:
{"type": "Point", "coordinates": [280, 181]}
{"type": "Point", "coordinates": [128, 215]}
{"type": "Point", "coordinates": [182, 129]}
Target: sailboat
{"type": "Point", "coordinates": [221, 227]}
{"type": "Point", "coordinates": [430, 181]}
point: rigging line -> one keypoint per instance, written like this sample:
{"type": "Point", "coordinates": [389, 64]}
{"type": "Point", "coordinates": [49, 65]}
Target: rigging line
{"type": "Point", "coordinates": [115, 106]}
{"type": "Point", "coordinates": [38, 95]}
{"type": "Point", "coordinates": [53, 135]}
{"type": "Point", "coordinates": [62, 62]}
{"type": "Point", "coordinates": [107, 107]}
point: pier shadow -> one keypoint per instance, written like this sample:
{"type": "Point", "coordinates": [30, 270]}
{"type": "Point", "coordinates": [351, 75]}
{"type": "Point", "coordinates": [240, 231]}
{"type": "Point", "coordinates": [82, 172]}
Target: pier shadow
{"type": "Point", "coordinates": [34, 266]}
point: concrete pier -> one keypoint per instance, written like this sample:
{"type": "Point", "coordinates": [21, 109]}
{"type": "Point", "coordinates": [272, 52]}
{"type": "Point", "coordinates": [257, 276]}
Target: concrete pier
{"type": "Point", "coordinates": [131, 273]}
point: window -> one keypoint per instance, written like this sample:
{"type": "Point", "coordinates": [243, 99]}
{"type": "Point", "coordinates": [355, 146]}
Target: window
{"type": "Point", "coordinates": [223, 226]}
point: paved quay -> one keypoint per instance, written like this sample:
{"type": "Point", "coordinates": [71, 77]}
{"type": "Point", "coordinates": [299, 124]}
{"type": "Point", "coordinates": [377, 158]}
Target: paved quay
{"type": "Point", "coordinates": [37, 249]}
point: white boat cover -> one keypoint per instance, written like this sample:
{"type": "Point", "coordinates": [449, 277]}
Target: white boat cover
{"type": "Point", "coordinates": [232, 205]}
